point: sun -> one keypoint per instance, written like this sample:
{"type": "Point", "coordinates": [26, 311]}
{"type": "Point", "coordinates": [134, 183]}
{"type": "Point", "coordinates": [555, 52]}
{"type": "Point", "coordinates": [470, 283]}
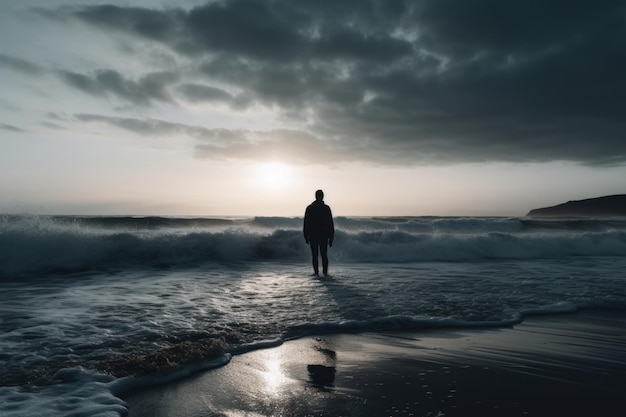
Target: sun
{"type": "Point", "coordinates": [275, 175]}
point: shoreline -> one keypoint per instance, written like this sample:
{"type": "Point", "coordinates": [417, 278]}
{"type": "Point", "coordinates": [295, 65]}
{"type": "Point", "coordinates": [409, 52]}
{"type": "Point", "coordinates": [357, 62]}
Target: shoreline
{"type": "Point", "coordinates": [567, 364]}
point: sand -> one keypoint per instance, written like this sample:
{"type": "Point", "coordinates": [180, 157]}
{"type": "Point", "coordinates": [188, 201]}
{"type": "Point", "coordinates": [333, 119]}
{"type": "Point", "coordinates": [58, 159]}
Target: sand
{"type": "Point", "coordinates": [561, 365]}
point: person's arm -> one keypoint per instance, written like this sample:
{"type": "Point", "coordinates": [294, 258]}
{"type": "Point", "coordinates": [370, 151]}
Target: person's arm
{"type": "Point", "coordinates": [306, 226]}
{"type": "Point", "coordinates": [332, 228]}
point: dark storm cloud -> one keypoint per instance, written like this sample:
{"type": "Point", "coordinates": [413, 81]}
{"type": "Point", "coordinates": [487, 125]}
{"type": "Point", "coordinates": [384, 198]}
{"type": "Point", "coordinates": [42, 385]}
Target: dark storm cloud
{"type": "Point", "coordinates": [105, 82]}
{"type": "Point", "coordinates": [203, 93]}
{"type": "Point", "coordinates": [152, 127]}
{"type": "Point", "coordinates": [11, 128]}
{"type": "Point", "coordinates": [283, 144]}
{"type": "Point", "coordinates": [51, 125]}
{"type": "Point", "coordinates": [412, 81]}
{"type": "Point", "coordinates": [151, 87]}
{"type": "Point", "coordinates": [280, 144]}
{"type": "Point", "coordinates": [20, 65]}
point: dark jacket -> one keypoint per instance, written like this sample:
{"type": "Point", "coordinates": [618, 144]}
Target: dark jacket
{"type": "Point", "coordinates": [318, 222]}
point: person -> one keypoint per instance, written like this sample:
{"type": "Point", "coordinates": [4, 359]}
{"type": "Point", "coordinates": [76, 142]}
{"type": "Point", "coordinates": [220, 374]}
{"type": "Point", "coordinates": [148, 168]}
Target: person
{"type": "Point", "coordinates": [319, 231]}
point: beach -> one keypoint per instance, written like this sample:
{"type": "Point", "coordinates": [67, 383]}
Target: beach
{"type": "Point", "coordinates": [554, 365]}
{"type": "Point", "coordinates": [422, 316]}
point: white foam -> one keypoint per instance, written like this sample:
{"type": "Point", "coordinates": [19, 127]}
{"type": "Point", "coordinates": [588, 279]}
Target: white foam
{"type": "Point", "coordinates": [72, 391]}
{"type": "Point", "coordinates": [81, 393]}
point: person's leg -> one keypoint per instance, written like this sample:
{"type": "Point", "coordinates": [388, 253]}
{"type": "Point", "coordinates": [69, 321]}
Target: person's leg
{"type": "Point", "coordinates": [314, 253]}
{"type": "Point", "coordinates": [324, 254]}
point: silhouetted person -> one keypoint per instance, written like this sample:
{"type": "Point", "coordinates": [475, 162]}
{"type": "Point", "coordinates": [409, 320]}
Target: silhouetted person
{"type": "Point", "coordinates": [319, 230]}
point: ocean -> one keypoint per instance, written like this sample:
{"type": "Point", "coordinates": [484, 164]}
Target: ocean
{"type": "Point", "coordinates": [92, 307]}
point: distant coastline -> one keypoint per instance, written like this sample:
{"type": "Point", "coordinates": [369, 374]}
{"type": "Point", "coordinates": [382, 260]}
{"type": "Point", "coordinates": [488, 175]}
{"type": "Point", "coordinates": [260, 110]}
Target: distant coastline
{"type": "Point", "coordinates": [608, 206]}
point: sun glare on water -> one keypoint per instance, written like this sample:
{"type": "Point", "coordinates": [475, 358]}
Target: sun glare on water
{"type": "Point", "coordinates": [275, 175]}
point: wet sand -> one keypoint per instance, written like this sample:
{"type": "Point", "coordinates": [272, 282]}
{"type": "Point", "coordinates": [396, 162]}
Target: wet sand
{"type": "Point", "coordinates": [561, 365]}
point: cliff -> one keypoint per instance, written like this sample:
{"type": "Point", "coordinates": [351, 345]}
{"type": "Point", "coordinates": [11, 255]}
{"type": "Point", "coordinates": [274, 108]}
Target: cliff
{"type": "Point", "coordinates": [613, 206]}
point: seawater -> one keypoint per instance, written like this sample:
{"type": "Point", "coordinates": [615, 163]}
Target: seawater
{"type": "Point", "coordinates": [93, 306]}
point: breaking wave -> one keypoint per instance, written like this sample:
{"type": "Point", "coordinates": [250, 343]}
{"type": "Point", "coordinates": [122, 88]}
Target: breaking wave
{"type": "Point", "coordinates": [44, 244]}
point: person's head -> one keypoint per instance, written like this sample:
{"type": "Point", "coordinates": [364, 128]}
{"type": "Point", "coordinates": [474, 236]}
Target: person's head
{"type": "Point", "coordinates": [319, 195]}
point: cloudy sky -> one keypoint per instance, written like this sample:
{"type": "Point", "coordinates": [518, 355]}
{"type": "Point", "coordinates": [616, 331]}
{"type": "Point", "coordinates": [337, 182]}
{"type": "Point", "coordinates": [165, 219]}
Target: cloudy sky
{"type": "Point", "coordinates": [246, 107]}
